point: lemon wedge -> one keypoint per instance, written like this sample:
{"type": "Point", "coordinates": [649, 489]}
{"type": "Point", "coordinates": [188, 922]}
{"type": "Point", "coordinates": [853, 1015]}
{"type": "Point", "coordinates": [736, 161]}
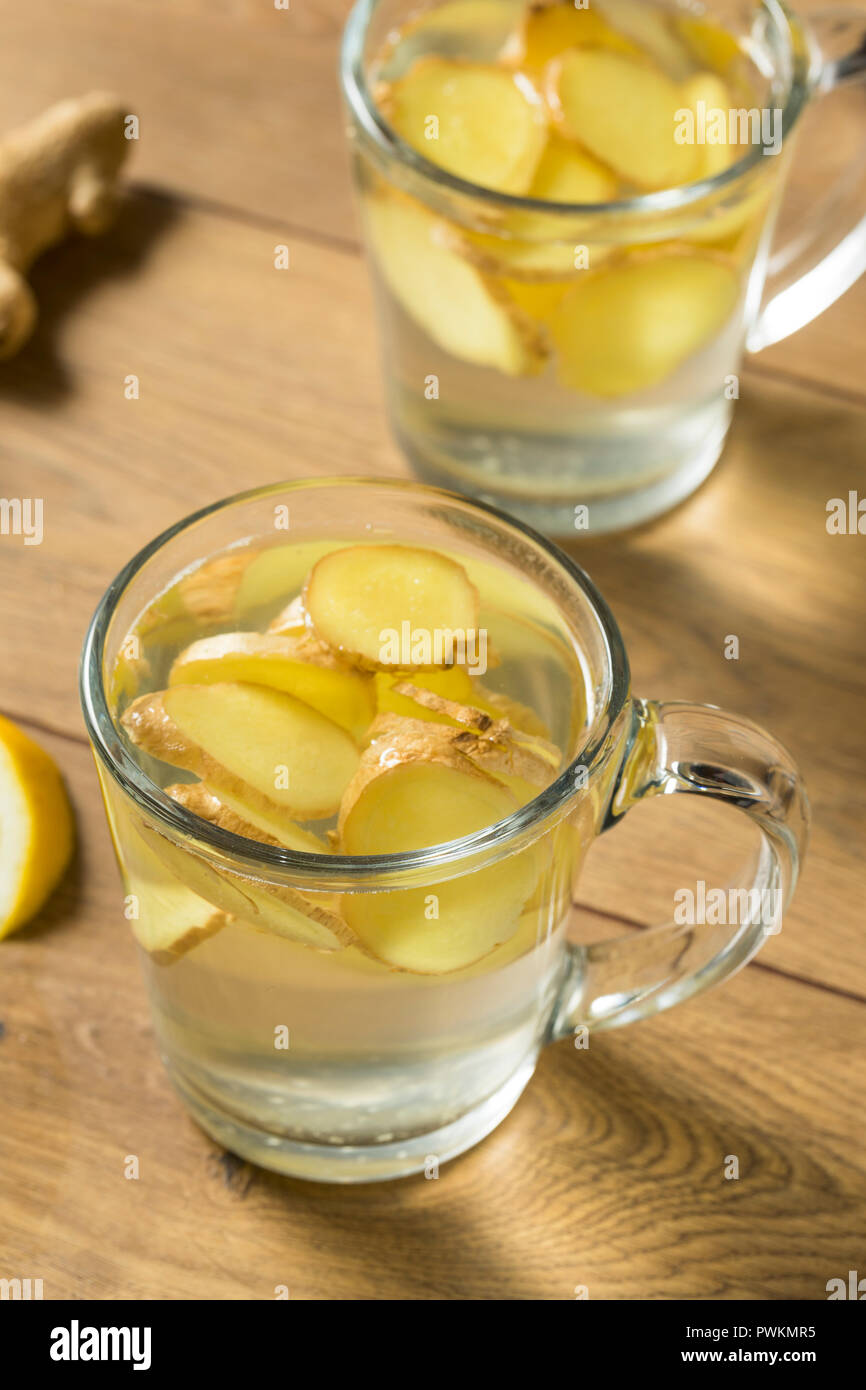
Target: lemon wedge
{"type": "Point", "coordinates": [36, 827]}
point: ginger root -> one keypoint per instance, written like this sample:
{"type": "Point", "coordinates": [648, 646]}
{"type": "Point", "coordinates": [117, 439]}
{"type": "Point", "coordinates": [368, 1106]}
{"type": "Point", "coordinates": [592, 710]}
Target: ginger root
{"type": "Point", "coordinates": [57, 174]}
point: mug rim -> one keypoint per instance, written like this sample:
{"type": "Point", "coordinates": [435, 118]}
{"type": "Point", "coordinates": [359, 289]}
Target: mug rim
{"type": "Point", "coordinates": [365, 111]}
{"type": "Point", "coordinates": [524, 825]}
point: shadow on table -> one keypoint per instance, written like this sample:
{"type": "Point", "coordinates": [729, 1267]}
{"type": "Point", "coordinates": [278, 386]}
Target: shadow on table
{"type": "Point", "coordinates": [750, 553]}
{"type": "Point", "coordinates": [64, 277]}
{"type": "Point", "coordinates": [600, 1176]}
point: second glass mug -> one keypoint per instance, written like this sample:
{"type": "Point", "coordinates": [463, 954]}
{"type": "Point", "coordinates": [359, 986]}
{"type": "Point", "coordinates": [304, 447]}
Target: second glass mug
{"type": "Point", "coordinates": [522, 435]}
{"type": "Point", "coordinates": [385, 1070]}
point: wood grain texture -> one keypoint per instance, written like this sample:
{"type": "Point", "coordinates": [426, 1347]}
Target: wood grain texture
{"type": "Point", "coordinates": [609, 1173]}
{"type": "Point", "coordinates": [237, 104]}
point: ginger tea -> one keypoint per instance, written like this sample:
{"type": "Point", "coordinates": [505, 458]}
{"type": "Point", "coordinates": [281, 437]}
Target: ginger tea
{"type": "Point", "coordinates": [358, 700]}
{"type": "Point", "coordinates": [565, 351]}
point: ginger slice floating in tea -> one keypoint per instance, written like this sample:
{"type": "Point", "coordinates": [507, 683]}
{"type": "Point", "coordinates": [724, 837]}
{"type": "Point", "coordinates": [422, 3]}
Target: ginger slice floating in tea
{"type": "Point", "coordinates": [453, 301]}
{"type": "Point", "coordinates": [263, 746]}
{"type": "Point", "coordinates": [455, 683]}
{"type": "Point", "coordinates": [415, 790]}
{"type": "Point", "coordinates": [538, 755]}
{"type": "Point", "coordinates": [267, 906]}
{"type": "Point", "coordinates": [713, 46]}
{"type": "Point", "coordinates": [624, 111]}
{"type": "Point", "coordinates": [170, 917]}
{"type": "Point", "coordinates": [742, 202]}
{"type": "Point", "coordinates": [299, 664]}
{"type": "Point", "coordinates": [706, 90]}
{"type": "Point", "coordinates": [201, 598]}
{"type": "Point", "coordinates": [391, 606]}
{"type": "Point", "coordinates": [273, 908]}
{"type": "Point", "coordinates": [566, 174]}
{"type": "Point", "coordinates": [276, 570]}
{"type": "Point", "coordinates": [651, 31]}
{"type": "Point", "coordinates": [538, 298]}
{"type": "Point", "coordinates": [291, 621]}
{"type": "Point", "coordinates": [483, 123]}
{"type": "Point", "coordinates": [465, 28]}
{"type": "Point", "coordinates": [538, 245]}
{"type": "Point", "coordinates": [627, 327]}
{"type": "Point", "coordinates": [231, 813]}
{"type": "Point", "coordinates": [521, 717]}
{"type": "Point", "coordinates": [520, 762]}
{"type": "Point", "coordinates": [547, 29]}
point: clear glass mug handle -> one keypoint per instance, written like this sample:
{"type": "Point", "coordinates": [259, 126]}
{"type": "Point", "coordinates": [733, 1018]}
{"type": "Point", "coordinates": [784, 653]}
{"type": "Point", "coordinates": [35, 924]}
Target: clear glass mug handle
{"type": "Point", "coordinates": [695, 750]}
{"type": "Point", "coordinates": [808, 274]}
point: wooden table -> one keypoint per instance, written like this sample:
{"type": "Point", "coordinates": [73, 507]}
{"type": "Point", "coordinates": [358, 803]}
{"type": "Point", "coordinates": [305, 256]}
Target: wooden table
{"type": "Point", "coordinates": [610, 1172]}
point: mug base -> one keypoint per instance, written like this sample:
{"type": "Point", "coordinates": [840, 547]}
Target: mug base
{"type": "Point", "coordinates": [330, 1163]}
{"type": "Point", "coordinates": [583, 512]}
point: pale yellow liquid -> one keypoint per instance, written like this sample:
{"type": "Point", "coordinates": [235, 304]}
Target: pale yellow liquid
{"type": "Point", "coordinates": [374, 1056]}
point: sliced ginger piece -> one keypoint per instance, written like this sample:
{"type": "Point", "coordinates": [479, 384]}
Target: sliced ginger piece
{"type": "Point", "coordinates": [623, 110]}
{"type": "Point", "coordinates": [442, 929]}
{"type": "Point", "coordinates": [483, 123]}
{"type": "Point", "coordinates": [379, 604]}
{"type": "Point", "coordinates": [538, 299]}
{"type": "Point", "coordinates": [37, 831]}
{"type": "Point", "coordinates": [455, 683]}
{"type": "Point", "coordinates": [521, 717]}
{"type": "Point", "coordinates": [300, 665]}
{"type": "Point", "coordinates": [566, 174]}
{"type": "Point", "coordinates": [455, 303]}
{"type": "Point", "coordinates": [202, 597]}
{"type": "Point", "coordinates": [276, 571]}
{"type": "Point", "coordinates": [730, 211]}
{"type": "Point", "coordinates": [269, 907]}
{"type": "Point", "coordinates": [205, 594]}
{"type": "Point", "coordinates": [547, 29]}
{"type": "Point", "coordinates": [709, 89]}
{"type": "Point", "coordinates": [465, 28]}
{"type": "Point", "coordinates": [713, 46]}
{"type": "Point", "coordinates": [291, 621]}
{"type": "Point", "coordinates": [536, 246]}
{"type": "Point", "coordinates": [167, 918]}
{"type": "Point", "coordinates": [267, 748]}
{"type": "Point", "coordinates": [273, 822]}
{"type": "Point", "coordinates": [491, 722]}
{"type": "Point", "coordinates": [412, 792]}
{"type": "Point", "coordinates": [526, 768]}
{"type": "Point", "coordinates": [415, 748]}
{"type": "Point", "coordinates": [629, 326]}
{"type": "Point", "coordinates": [230, 814]}
{"type": "Point", "coordinates": [651, 31]}
{"type": "Point", "coordinates": [455, 711]}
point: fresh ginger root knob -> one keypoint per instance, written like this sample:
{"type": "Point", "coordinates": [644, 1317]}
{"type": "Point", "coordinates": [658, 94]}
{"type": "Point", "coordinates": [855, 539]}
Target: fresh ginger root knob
{"type": "Point", "coordinates": [57, 174]}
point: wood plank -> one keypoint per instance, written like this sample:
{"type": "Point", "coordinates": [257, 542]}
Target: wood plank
{"type": "Point", "coordinates": [614, 1158]}
{"type": "Point", "coordinates": [236, 109]}
{"type": "Point", "coordinates": [239, 105]}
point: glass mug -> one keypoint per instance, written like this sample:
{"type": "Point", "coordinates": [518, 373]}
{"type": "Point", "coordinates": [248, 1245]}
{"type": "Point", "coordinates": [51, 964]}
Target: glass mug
{"type": "Point", "coordinates": [519, 336]}
{"type": "Point", "coordinates": [384, 1069]}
